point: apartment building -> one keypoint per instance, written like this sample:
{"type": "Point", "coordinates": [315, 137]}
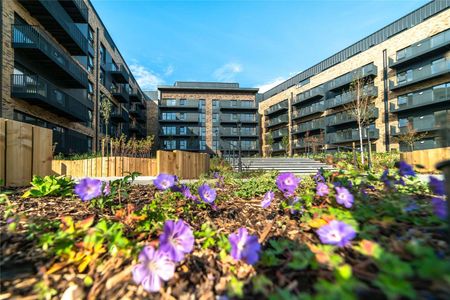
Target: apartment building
{"type": "Point", "coordinates": [217, 118]}
{"type": "Point", "coordinates": [405, 69]}
{"type": "Point", "coordinates": [58, 62]}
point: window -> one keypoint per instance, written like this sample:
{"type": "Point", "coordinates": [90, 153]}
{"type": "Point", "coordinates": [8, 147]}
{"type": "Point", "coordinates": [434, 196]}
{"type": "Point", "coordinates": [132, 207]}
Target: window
{"type": "Point", "coordinates": [201, 104]}
{"type": "Point", "coordinates": [182, 102]}
{"type": "Point", "coordinates": [171, 102]}
{"type": "Point", "coordinates": [90, 64]}
{"type": "Point", "coordinates": [102, 77]}
{"type": "Point", "coordinates": [215, 104]}
{"type": "Point", "coordinates": [202, 118]}
{"type": "Point", "coordinates": [90, 91]}
{"type": "Point", "coordinates": [170, 145]}
{"type": "Point", "coordinates": [102, 54]}
{"type": "Point", "coordinates": [91, 36]}
{"type": "Point", "coordinates": [439, 92]}
{"type": "Point", "coordinates": [169, 130]}
{"type": "Point", "coordinates": [402, 122]}
{"type": "Point", "coordinates": [183, 130]}
{"type": "Point", "coordinates": [404, 76]}
{"type": "Point", "coordinates": [215, 118]}
{"type": "Point", "coordinates": [234, 117]}
{"type": "Point", "coordinates": [202, 131]}
{"type": "Point", "coordinates": [182, 116]}
{"type": "Point", "coordinates": [183, 144]}
{"type": "Point", "coordinates": [169, 116]}
{"type": "Point", "coordinates": [401, 54]}
{"type": "Point", "coordinates": [202, 145]}
{"type": "Point", "coordinates": [402, 100]}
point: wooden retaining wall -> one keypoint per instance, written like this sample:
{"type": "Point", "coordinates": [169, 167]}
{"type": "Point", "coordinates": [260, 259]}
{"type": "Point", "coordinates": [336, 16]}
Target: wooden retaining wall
{"type": "Point", "coordinates": [427, 158]}
{"type": "Point", "coordinates": [186, 165]}
{"type": "Point", "coordinates": [25, 150]}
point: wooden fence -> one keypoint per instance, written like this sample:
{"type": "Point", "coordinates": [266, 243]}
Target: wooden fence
{"type": "Point", "coordinates": [427, 158]}
{"type": "Point", "coordinates": [25, 150]}
{"type": "Point", "coordinates": [186, 165]}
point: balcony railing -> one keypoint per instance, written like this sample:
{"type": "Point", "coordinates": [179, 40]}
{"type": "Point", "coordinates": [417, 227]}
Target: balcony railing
{"type": "Point", "coordinates": [299, 144]}
{"type": "Point", "coordinates": [178, 104]}
{"type": "Point", "coordinates": [137, 112]}
{"type": "Point", "coordinates": [120, 92]}
{"type": "Point", "coordinates": [369, 70]}
{"type": "Point", "coordinates": [234, 132]}
{"type": "Point", "coordinates": [421, 74]}
{"type": "Point", "coordinates": [118, 73]}
{"type": "Point", "coordinates": [180, 118]}
{"type": "Point", "coordinates": [243, 104]}
{"type": "Point", "coordinates": [279, 133]}
{"type": "Point", "coordinates": [35, 40]}
{"type": "Point", "coordinates": [418, 128]}
{"type": "Point", "coordinates": [427, 47]}
{"type": "Point", "coordinates": [189, 131]}
{"type": "Point", "coordinates": [76, 9]}
{"type": "Point", "coordinates": [282, 106]}
{"type": "Point", "coordinates": [309, 126]}
{"type": "Point", "coordinates": [234, 146]}
{"type": "Point", "coordinates": [138, 129]}
{"type": "Point", "coordinates": [311, 94]}
{"type": "Point", "coordinates": [309, 110]}
{"type": "Point", "coordinates": [346, 117]}
{"type": "Point", "coordinates": [235, 118]}
{"type": "Point", "coordinates": [283, 119]}
{"type": "Point", "coordinates": [136, 95]}
{"type": "Point", "coordinates": [351, 135]}
{"type": "Point", "coordinates": [277, 147]}
{"type": "Point", "coordinates": [59, 24]}
{"type": "Point", "coordinates": [39, 91]}
{"type": "Point", "coordinates": [119, 115]}
{"type": "Point", "coordinates": [418, 100]}
{"type": "Point", "coordinates": [348, 97]}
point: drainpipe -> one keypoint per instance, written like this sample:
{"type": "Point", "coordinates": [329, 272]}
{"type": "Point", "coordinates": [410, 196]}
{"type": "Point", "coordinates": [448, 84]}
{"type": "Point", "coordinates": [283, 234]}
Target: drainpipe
{"type": "Point", "coordinates": [385, 100]}
{"type": "Point", "coordinates": [97, 93]}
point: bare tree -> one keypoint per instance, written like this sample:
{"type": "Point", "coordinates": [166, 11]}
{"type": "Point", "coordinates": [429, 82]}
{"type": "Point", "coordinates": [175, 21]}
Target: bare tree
{"type": "Point", "coordinates": [314, 140]}
{"type": "Point", "coordinates": [269, 144]}
{"type": "Point", "coordinates": [361, 108]}
{"type": "Point", "coordinates": [285, 144]}
{"type": "Point", "coordinates": [105, 110]}
{"type": "Point", "coordinates": [410, 136]}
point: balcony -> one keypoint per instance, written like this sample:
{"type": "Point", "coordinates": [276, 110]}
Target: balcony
{"type": "Point", "coordinates": [421, 74]}
{"type": "Point", "coordinates": [76, 9]}
{"type": "Point", "coordinates": [34, 42]}
{"type": "Point", "coordinates": [309, 126]}
{"type": "Point", "coordinates": [136, 95]}
{"type": "Point", "coordinates": [178, 104]}
{"type": "Point", "coordinates": [120, 93]}
{"type": "Point", "coordinates": [234, 132]}
{"type": "Point", "coordinates": [118, 72]}
{"type": "Point", "coordinates": [312, 94]}
{"type": "Point", "coordinates": [276, 147]}
{"type": "Point", "coordinates": [419, 128]}
{"type": "Point", "coordinates": [344, 80]}
{"type": "Point", "coordinates": [248, 146]}
{"type": "Point", "coordinates": [279, 133]}
{"type": "Point", "coordinates": [38, 91]}
{"type": "Point", "coordinates": [346, 117]}
{"type": "Point", "coordinates": [420, 100]}
{"type": "Point", "coordinates": [350, 135]}
{"type": "Point", "coordinates": [137, 112]}
{"type": "Point", "coordinates": [283, 119]}
{"type": "Point", "coordinates": [238, 105]}
{"type": "Point", "coordinates": [436, 44]}
{"type": "Point", "coordinates": [190, 131]}
{"type": "Point", "coordinates": [52, 16]}
{"type": "Point", "coordinates": [180, 118]}
{"type": "Point", "coordinates": [137, 129]}
{"type": "Point", "coordinates": [279, 107]}
{"type": "Point", "coordinates": [348, 97]}
{"type": "Point", "coordinates": [309, 110]}
{"type": "Point", "coordinates": [119, 116]}
{"type": "Point", "coordinates": [236, 118]}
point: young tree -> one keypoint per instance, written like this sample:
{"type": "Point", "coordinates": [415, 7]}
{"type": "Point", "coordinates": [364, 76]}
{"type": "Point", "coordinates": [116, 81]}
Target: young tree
{"type": "Point", "coordinates": [285, 144]}
{"type": "Point", "coordinates": [361, 108]}
{"type": "Point", "coordinates": [410, 136]}
{"type": "Point", "coordinates": [269, 144]}
{"type": "Point", "coordinates": [314, 140]}
{"type": "Point", "coordinates": [105, 110]}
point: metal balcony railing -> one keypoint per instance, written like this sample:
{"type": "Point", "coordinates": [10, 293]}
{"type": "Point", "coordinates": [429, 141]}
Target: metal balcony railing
{"type": "Point", "coordinates": [346, 117]}
{"type": "Point", "coordinates": [309, 110]}
{"type": "Point", "coordinates": [277, 121]}
{"type": "Point", "coordinates": [235, 118]}
{"type": "Point", "coordinates": [282, 106]}
{"type": "Point", "coordinates": [136, 95]}
{"type": "Point", "coordinates": [313, 93]}
{"type": "Point", "coordinates": [368, 70]}
{"type": "Point", "coordinates": [420, 99]}
{"type": "Point", "coordinates": [121, 93]}
{"type": "Point", "coordinates": [178, 103]}
{"type": "Point", "coordinates": [180, 117]}
{"type": "Point", "coordinates": [348, 97]}
{"type": "Point", "coordinates": [118, 73]}
{"type": "Point", "coordinates": [309, 126]}
{"type": "Point", "coordinates": [119, 115]}
{"type": "Point", "coordinates": [279, 133]}
{"type": "Point", "coordinates": [137, 112]}
{"type": "Point", "coordinates": [234, 132]}
{"type": "Point", "coordinates": [238, 104]}
{"type": "Point", "coordinates": [76, 9]}
{"type": "Point", "coordinates": [350, 135]}
{"type": "Point", "coordinates": [39, 91]}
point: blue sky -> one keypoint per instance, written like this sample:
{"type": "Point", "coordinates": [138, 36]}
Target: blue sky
{"type": "Point", "coordinates": [255, 43]}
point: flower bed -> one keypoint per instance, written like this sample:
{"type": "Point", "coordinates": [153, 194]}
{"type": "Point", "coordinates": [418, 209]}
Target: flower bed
{"type": "Point", "coordinates": [329, 236]}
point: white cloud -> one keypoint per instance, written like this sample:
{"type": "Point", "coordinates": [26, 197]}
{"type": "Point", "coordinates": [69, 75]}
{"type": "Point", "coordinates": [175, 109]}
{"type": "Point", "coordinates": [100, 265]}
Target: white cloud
{"type": "Point", "coordinates": [267, 86]}
{"type": "Point", "coordinates": [147, 79]}
{"type": "Point", "coordinates": [169, 70]}
{"type": "Point", "coordinates": [227, 72]}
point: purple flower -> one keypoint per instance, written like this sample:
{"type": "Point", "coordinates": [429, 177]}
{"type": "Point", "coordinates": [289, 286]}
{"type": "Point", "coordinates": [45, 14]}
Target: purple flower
{"type": "Point", "coordinates": [344, 197]}
{"type": "Point", "coordinates": [206, 193]}
{"type": "Point", "coordinates": [411, 207]}
{"type": "Point", "coordinates": [184, 190]}
{"type": "Point", "coordinates": [405, 169]}
{"type": "Point", "coordinates": [287, 182]}
{"type": "Point", "coordinates": [88, 189]}
{"type": "Point", "coordinates": [319, 177]}
{"type": "Point", "coordinates": [437, 186]}
{"type": "Point", "coordinates": [244, 246]}
{"type": "Point", "coordinates": [164, 181]}
{"type": "Point", "coordinates": [106, 189]}
{"type": "Point", "coordinates": [322, 189]}
{"type": "Point", "coordinates": [336, 233]}
{"type": "Point", "coordinates": [439, 207]}
{"type": "Point", "coordinates": [153, 268]}
{"type": "Point", "coordinates": [292, 203]}
{"type": "Point", "coordinates": [216, 175]}
{"type": "Point", "coordinates": [268, 197]}
{"type": "Point", "coordinates": [176, 240]}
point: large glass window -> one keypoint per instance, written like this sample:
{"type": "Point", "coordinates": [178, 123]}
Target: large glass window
{"type": "Point", "coordinates": [170, 144]}
{"type": "Point", "coordinates": [183, 144]}
{"type": "Point", "coordinates": [183, 130]}
{"type": "Point", "coordinates": [102, 54]}
{"type": "Point", "coordinates": [90, 64]}
{"type": "Point", "coordinates": [91, 36]}
{"type": "Point", "coordinates": [171, 102]}
{"type": "Point", "coordinates": [202, 145]}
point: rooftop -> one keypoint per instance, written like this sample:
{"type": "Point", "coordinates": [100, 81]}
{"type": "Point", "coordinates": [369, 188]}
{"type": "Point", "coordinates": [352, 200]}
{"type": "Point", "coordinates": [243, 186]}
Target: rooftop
{"type": "Point", "coordinates": [206, 86]}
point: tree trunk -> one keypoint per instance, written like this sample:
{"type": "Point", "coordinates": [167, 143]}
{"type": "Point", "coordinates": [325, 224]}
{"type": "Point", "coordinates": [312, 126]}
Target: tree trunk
{"type": "Point", "coordinates": [361, 143]}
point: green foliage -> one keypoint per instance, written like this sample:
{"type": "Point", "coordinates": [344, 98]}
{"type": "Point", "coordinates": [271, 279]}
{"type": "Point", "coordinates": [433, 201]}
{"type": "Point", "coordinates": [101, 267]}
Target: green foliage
{"type": "Point", "coordinates": [207, 234]}
{"type": "Point", "coordinates": [50, 186]}
{"type": "Point", "coordinates": [43, 291]}
{"type": "Point", "coordinates": [235, 288]}
{"type": "Point", "coordinates": [256, 186]}
{"type": "Point", "coordinates": [287, 252]}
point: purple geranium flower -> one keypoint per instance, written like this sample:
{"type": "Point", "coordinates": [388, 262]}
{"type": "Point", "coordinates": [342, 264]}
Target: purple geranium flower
{"type": "Point", "coordinates": [287, 182]}
{"type": "Point", "coordinates": [319, 177]}
{"type": "Point", "coordinates": [437, 186]}
{"type": "Point", "coordinates": [88, 189]}
{"type": "Point", "coordinates": [336, 233]}
{"type": "Point", "coordinates": [177, 239]}
{"type": "Point", "coordinates": [268, 197]}
{"type": "Point", "coordinates": [244, 246]}
{"type": "Point", "coordinates": [322, 189]}
{"type": "Point", "coordinates": [439, 207]}
{"type": "Point", "coordinates": [106, 188]}
{"type": "Point", "coordinates": [207, 193]}
{"type": "Point", "coordinates": [164, 181]}
{"type": "Point", "coordinates": [344, 197]}
{"type": "Point", "coordinates": [153, 268]}
{"type": "Point", "coordinates": [184, 190]}
{"type": "Point", "coordinates": [404, 169]}
{"type": "Point", "coordinates": [292, 202]}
